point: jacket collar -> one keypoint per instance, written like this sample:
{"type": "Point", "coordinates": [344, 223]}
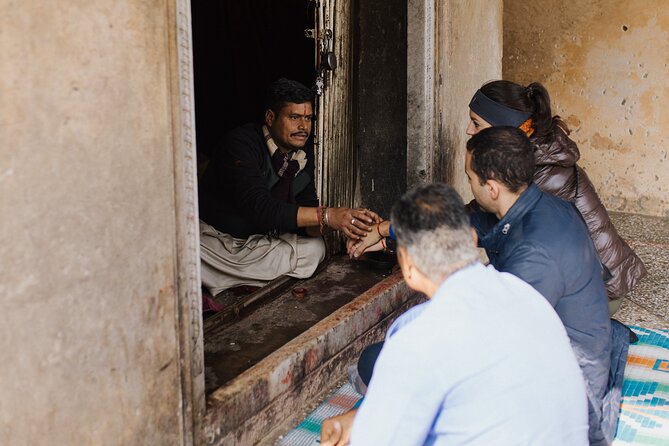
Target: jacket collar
{"type": "Point", "coordinates": [496, 238]}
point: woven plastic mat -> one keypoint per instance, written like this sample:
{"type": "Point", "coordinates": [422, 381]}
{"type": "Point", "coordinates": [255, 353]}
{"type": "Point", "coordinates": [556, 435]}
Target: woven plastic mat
{"type": "Point", "coordinates": [644, 412]}
{"type": "Point", "coordinates": [308, 431]}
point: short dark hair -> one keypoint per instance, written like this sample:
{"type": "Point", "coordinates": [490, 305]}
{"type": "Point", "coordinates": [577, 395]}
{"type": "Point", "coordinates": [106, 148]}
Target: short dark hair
{"type": "Point", "coordinates": [504, 154]}
{"type": "Point", "coordinates": [283, 91]}
{"type": "Point", "coordinates": [431, 223]}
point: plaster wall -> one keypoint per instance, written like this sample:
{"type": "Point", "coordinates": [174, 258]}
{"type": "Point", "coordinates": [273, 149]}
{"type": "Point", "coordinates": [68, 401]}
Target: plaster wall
{"type": "Point", "coordinates": [469, 53]}
{"type": "Point", "coordinates": [88, 340]}
{"type": "Point", "coordinates": [605, 64]}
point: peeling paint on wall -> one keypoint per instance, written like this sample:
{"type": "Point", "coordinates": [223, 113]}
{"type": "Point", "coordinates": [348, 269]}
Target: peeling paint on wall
{"type": "Point", "coordinates": [606, 66]}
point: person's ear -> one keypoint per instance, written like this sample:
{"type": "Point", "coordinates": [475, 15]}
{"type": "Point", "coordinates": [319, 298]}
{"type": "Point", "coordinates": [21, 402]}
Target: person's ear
{"type": "Point", "coordinates": [269, 117]}
{"type": "Point", "coordinates": [413, 277]}
{"type": "Point", "coordinates": [475, 236]}
{"type": "Point", "coordinates": [404, 262]}
{"type": "Point", "coordinates": [494, 189]}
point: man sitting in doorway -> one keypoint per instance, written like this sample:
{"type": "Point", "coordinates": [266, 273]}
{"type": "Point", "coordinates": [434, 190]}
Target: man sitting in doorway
{"type": "Point", "coordinates": [260, 215]}
{"type": "Point", "coordinates": [486, 361]}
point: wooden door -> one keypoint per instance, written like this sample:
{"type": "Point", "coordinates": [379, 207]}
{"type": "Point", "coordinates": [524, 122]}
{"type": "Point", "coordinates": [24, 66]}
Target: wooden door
{"type": "Point", "coordinates": [333, 143]}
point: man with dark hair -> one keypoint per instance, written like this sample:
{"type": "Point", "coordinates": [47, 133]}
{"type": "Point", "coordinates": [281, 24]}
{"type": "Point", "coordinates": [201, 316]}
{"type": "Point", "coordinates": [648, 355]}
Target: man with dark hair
{"type": "Point", "coordinates": [485, 361]}
{"type": "Point", "coordinates": [259, 202]}
{"type": "Point", "coordinates": [543, 240]}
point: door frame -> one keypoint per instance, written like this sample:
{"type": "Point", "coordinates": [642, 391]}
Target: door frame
{"type": "Point", "coordinates": [189, 324]}
{"type": "Point", "coordinates": [424, 164]}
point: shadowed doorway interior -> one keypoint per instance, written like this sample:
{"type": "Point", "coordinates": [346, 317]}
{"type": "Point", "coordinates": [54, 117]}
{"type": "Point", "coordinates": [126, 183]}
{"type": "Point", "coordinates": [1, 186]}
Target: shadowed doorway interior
{"type": "Point", "coordinates": [239, 48]}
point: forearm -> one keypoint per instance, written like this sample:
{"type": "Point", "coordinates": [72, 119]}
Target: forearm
{"type": "Point", "coordinates": [307, 217]}
{"type": "Point", "coordinates": [312, 220]}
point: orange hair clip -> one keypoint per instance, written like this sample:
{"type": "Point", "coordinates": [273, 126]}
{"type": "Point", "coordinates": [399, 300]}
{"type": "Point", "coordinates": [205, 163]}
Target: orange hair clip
{"type": "Point", "coordinates": [527, 127]}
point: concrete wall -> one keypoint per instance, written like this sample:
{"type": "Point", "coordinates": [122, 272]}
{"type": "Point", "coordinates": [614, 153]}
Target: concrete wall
{"type": "Point", "coordinates": [88, 340]}
{"type": "Point", "coordinates": [469, 53]}
{"type": "Point", "coordinates": [605, 63]}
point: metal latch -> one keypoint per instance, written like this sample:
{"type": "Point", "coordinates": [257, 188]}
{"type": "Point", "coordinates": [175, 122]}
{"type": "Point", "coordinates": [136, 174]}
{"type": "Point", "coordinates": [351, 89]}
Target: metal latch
{"type": "Point", "coordinates": [328, 60]}
{"type": "Point", "coordinates": [325, 34]}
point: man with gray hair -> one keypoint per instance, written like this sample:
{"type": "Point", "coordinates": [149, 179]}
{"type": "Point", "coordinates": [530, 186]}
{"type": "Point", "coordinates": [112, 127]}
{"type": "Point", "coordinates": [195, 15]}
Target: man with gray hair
{"type": "Point", "coordinates": [484, 361]}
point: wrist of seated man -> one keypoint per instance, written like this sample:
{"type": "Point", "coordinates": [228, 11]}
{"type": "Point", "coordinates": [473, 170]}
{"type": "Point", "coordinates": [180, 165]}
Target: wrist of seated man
{"type": "Point", "coordinates": [322, 216]}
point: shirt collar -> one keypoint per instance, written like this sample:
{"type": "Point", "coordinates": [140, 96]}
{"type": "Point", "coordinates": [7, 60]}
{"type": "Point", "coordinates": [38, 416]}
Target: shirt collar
{"type": "Point", "coordinates": [271, 145]}
{"type": "Point", "coordinates": [299, 156]}
{"type": "Point", "coordinates": [526, 201]}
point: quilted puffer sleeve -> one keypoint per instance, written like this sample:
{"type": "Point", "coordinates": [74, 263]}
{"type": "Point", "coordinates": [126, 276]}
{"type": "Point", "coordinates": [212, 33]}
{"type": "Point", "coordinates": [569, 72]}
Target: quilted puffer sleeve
{"type": "Point", "coordinates": [625, 266]}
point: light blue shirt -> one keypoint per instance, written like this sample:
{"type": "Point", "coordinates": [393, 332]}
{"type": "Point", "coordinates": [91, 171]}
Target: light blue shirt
{"type": "Point", "coordinates": [486, 361]}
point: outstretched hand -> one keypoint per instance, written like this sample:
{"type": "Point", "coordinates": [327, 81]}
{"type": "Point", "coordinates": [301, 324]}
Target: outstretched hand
{"type": "Point", "coordinates": [336, 431]}
{"type": "Point", "coordinates": [373, 242]}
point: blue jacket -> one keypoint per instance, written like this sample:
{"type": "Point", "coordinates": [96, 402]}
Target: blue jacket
{"type": "Point", "coordinates": [544, 241]}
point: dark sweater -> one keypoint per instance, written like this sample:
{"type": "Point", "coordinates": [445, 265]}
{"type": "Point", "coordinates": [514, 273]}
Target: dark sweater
{"type": "Point", "coordinates": [235, 190]}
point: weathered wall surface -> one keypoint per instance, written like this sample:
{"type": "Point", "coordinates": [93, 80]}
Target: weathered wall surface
{"type": "Point", "coordinates": [606, 66]}
{"type": "Point", "coordinates": [88, 347]}
{"type": "Point", "coordinates": [380, 79]}
{"type": "Point", "coordinates": [469, 48]}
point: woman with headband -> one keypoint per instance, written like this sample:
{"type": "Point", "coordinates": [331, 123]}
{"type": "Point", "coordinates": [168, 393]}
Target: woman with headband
{"type": "Point", "coordinates": [505, 103]}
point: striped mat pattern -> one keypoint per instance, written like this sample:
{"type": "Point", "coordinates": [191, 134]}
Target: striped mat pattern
{"type": "Point", "coordinates": [644, 412]}
{"type": "Point", "coordinates": [308, 432]}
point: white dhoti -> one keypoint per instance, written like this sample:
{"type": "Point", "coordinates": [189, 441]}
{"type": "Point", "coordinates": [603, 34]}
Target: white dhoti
{"type": "Point", "coordinates": [228, 261]}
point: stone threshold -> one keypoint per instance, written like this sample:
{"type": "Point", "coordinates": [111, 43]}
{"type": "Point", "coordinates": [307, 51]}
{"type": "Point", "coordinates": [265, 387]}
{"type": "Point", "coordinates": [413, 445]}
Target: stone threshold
{"type": "Point", "coordinates": [269, 398]}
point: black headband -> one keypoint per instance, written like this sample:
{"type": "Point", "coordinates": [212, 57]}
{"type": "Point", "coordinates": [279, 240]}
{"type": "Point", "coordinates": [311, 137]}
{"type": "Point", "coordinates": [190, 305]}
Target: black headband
{"type": "Point", "coordinates": [495, 113]}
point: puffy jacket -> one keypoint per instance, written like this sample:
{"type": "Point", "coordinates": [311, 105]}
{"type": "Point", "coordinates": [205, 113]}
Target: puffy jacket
{"type": "Point", "coordinates": [558, 174]}
{"type": "Point", "coordinates": [543, 240]}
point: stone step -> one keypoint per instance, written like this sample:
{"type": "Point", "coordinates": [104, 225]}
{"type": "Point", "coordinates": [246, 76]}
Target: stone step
{"type": "Point", "coordinates": [272, 394]}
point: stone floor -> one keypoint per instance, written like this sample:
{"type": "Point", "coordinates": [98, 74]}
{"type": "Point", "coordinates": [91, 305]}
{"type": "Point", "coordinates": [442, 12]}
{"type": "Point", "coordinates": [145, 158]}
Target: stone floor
{"type": "Point", "coordinates": [230, 349]}
{"type": "Point", "coordinates": [648, 304]}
